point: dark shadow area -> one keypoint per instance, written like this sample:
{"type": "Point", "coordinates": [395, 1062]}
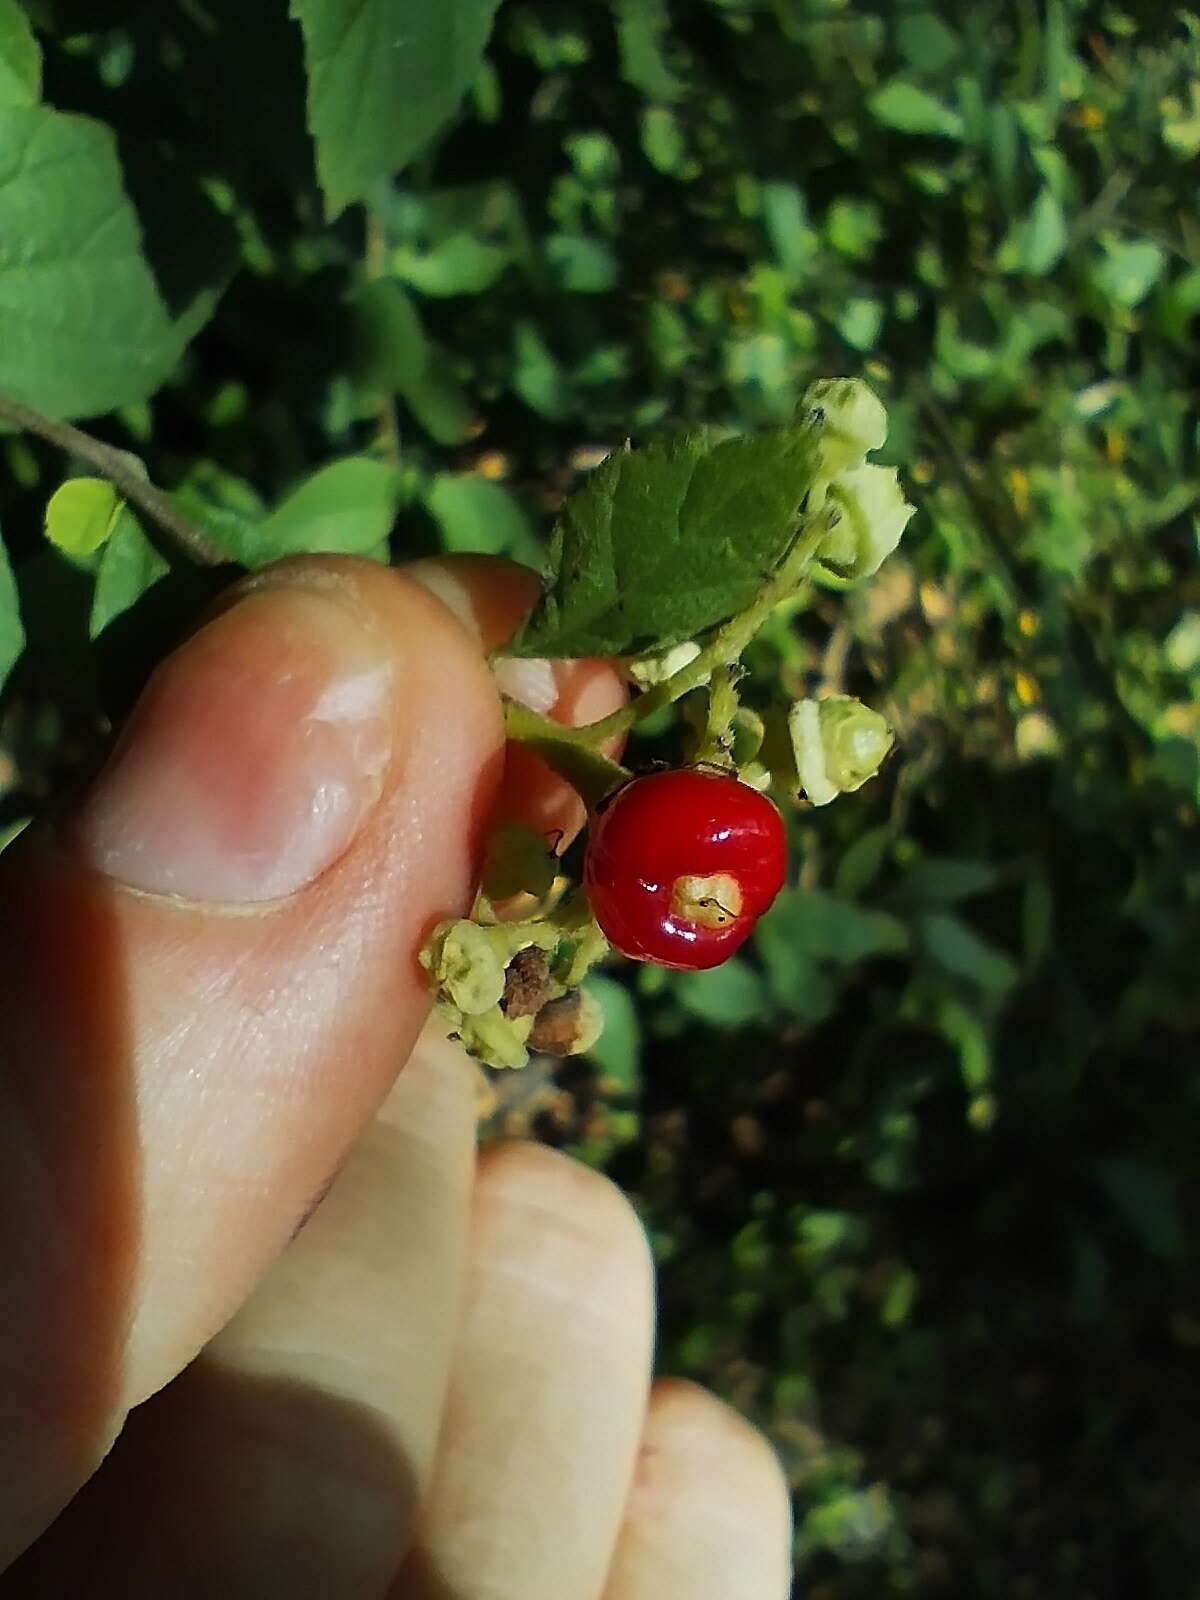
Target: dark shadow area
{"type": "Point", "coordinates": [235, 1486]}
{"type": "Point", "coordinates": [69, 1183]}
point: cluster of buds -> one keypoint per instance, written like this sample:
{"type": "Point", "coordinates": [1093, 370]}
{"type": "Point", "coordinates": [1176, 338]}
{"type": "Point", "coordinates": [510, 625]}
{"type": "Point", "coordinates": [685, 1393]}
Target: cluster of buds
{"type": "Point", "coordinates": [509, 983]}
{"type": "Point", "coordinates": [850, 422]}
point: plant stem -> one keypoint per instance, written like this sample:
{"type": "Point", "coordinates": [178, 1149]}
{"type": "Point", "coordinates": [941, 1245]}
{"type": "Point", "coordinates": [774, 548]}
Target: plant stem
{"type": "Point", "coordinates": [717, 739]}
{"type": "Point", "coordinates": [724, 648]}
{"type": "Point", "coordinates": [375, 263]}
{"type": "Point", "coordinates": [118, 468]}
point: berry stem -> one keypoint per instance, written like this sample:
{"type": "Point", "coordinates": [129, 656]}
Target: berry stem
{"type": "Point", "coordinates": [717, 739]}
{"type": "Point", "coordinates": [724, 648]}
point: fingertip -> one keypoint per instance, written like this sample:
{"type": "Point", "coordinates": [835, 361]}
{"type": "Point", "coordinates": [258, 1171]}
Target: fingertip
{"type": "Point", "coordinates": [490, 597]}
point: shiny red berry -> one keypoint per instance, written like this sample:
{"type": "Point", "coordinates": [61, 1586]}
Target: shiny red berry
{"type": "Point", "coordinates": [680, 865]}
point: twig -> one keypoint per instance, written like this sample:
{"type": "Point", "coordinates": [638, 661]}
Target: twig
{"type": "Point", "coordinates": [115, 466]}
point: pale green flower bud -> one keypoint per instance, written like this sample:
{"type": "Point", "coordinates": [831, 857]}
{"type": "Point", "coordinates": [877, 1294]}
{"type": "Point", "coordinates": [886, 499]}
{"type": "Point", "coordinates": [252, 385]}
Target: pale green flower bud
{"type": "Point", "coordinates": [849, 419]}
{"type": "Point", "coordinates": [838, 744]}
{"type": "Point", "coordinates": [873, 513]}
{"type": "Point", "coordinates": [647, 671]}
{"type": "Point", "coordinates": [468, 962]}
{"type": "Point", "coordinates": [496, 1040]}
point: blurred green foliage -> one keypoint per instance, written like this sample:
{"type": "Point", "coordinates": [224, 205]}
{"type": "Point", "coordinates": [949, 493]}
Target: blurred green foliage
{"type": "Point", "coordinates": [920, 1167]}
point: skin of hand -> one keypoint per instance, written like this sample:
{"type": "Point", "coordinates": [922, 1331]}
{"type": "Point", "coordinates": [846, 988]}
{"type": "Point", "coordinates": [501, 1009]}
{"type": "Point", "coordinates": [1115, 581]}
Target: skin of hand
{"type": "Point", "coordinates": [436, 1385]}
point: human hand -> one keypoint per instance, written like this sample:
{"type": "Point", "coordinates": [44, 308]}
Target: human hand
{"type": "Point", "coordinates": [439, 1388]}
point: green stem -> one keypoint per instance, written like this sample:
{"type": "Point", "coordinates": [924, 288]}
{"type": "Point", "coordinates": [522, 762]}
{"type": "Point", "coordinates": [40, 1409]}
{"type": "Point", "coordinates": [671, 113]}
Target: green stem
{"type": "Point", "coordinates": [724, 648]}
{"type": "Point", "coordinates": [585, 768]}
{"type": "Point", "coordinates": [715, 744]}
{"type": "Point", "coordinates": [375, 263]}
{"type": "Point", "coordinates": [120, 471]}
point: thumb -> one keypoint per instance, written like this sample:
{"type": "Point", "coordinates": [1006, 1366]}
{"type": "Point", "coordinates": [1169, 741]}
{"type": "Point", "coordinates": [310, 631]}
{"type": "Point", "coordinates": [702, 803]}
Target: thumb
{"type": "Point", "coordinates": [215, 981]}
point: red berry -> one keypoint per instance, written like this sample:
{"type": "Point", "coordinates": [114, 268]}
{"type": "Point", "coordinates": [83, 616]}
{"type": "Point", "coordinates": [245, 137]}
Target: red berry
{"type": "Point", "coordinates": [680, 865]}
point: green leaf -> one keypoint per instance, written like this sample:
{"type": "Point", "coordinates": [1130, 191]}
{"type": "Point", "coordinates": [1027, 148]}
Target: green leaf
{"type": "Point", "coordinates": [581, 265]}
{"type": "Point", "coordinates": [81, 515]}
{"type": "Point", "coordinates": [383, 78]}
{"type": "Point", "coordinates": [82, 325]}
{"type": "Point", "coordinates": [730, 996]}
{"type": "Point", "coordinates": [458, 264]}
{"type": "Point", "coordinates": [538, 376]}
{"type": "Point", "coordinates": [926, 43]}
{"type": "Point", "coordinates": [854, 227]}
{"type": "Point", "coordinates": [13, 830]}
{"type": "Point", "coordinates": [129, 567]}
{"type": "Point", "coordinates": [905, 107]}
{"type": "Point", "coordinates": [960, 951]}
{"type": "Point", "coordinates": [941, 880]}
{"type": "Point", "coordinates": [663, 542]}
{"type": "Point", "coordinates": [859, 321]}
{"type": "Point", "coordinates": [820, 926]}
{"type": "Point", "coordinates": [1129, 271]}
{"type": "Point", "coordinates": [785, 215]}
{"type": "Point", "coordinates": [663, 142]}
{"type": "Point", "coordinates": [394, 354]}
{"type": "Point", "coordinates": [1037, 244]}
{"type": "Point", "coordinates": [12, 632]}
{"type": "Point", "coordinates": [347, 507]}
{"type": "Point", "coordinates": [862, 862]}
{"type": "Point", "coordinates": [643, 26]}
{"type": "Point", "coordinates": [1144, 1197]}
{"type": "Point", "coordinates": [475, 515]}
{"type": "Point", "coordinates": [618, 1050]}
{"type": "Point", "coordinates": [20, 58]}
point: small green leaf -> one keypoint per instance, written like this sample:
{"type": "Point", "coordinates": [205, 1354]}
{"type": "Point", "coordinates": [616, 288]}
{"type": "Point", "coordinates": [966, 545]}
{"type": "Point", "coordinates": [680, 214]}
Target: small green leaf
{"type": "Point", "coordinates": [821, 926]}
{"type": "Point", "coordinates": [20, 58]}
{"type": "Point", "coordinates": [663, 142]}
{"type": "Point", "coordinates": [960, 951]}
{"type": "Point", "coordinates": [457, 264]}
{"type": "Point", "coordinates": [905, 107]}
{"type": "Point", "coordinates": [394, 354]}
{"type": "Point", "coordinates": [12, 632]}
{"type": "Point", "coordinates": [81, 515]}
{"type": "Point", "coordinates": [862, 862]}
{"type": "Point", "coordinates": [383, 78]}
{"type": "Point", "coordinates": [785, 213]}
{"type": "Point", "coordinates": [581, 265]}
{"type": "Point", "coordinates": [898, 1301]}
{"type": "Point", "coordinates": [347, 508]}
{"type": "Point", "coordinates": [475, 515]}
{"type": "Point", "coordinates": [663, 542]}
{"type": "Point", "coordinates": [1144, 1197]}
{"type": "Point", "coordinates": [129, 567]}
{"type": "Point", "coordinates": [730, 996]}
{"type": "Point", "coordinates": [538, 376]}
{"type": "Point", "coordinates": [854, 228]}
{"type": "Point", "coordinates": [618, 1050]}
{"type": "Point", "coordinates": [1129, 271]}
{"type": "Point", "coordinates": [1037, 244]}
{"type": "Point", "coordinates": [83, 328]}
{"type": "Point", "coordinates": [859, 321]}
{"type": "Point", "coordinates": [941, 880]}
{"type": "Point", "coordinates": [643, 27]}
{"type": "Point", "coordinates": [926, 43]}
